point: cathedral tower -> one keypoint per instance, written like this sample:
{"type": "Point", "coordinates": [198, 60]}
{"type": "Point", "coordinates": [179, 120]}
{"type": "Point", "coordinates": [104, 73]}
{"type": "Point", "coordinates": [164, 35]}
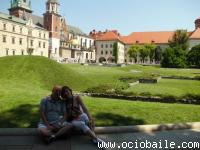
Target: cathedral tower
{"type": "Point", "coordinates": [52, 22]}
{"type": "Point", "coordinates": [20, 8]}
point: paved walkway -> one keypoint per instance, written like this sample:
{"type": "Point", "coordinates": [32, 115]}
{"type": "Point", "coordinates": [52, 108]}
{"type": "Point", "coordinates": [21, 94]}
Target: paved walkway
{"type": "Point", "coordinates": [83, 143]}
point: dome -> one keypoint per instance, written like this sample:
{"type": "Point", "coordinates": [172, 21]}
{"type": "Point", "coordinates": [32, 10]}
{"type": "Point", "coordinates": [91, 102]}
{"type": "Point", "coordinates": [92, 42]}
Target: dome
{"type": "Point", "coordinates": [74, 42]}
{"type": "Point", "coordinates": [53, 1]}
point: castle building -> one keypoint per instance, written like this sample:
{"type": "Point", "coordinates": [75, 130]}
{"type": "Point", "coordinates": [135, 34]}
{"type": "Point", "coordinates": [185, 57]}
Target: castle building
{"type": "Point", "coordinates": [24, 33]}
{"type": "Point", "coordinates": [18, 33]}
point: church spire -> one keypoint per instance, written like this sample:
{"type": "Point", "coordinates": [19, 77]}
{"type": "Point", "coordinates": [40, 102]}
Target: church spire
{"type": "Point", "coordinates": [19, 7]}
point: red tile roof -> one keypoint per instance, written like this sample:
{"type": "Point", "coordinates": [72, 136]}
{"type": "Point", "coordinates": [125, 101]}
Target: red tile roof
{"type": "Point", "coordinates": [161, 37]}
{"type": "Point", "coordinates": [195, 34]}
{"type": "Point", "coordinates": [109, 36]}
{"type": "Point", "coordinates": [148, 37]}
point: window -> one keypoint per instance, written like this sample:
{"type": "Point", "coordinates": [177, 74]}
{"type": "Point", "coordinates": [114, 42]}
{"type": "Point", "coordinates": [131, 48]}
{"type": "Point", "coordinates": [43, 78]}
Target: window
{"type": "Point", "coordinates": [24, 1]}
{"type": "Point", "coordinates": [110, 52]}
{"type": "Point", "coordinates": [13, 28]}
{"type": "Point", "coordinates": [30, 32]}
{"type": "Point", "coordinates": [41, 53]}
{"type": "Point", "coordinates": [111, 45]}
{"type": "Point", "coordinates": [22, 52]}
{"type": "Point", "coordinates": [106, 45]}
{"type": "Point", "coordinates": [90, 42]}
{"type": "Point", "coordinates": [39, 44]}
{"type": "Point", "coordinates": [4, 39]}
{"type": "Point", "coordinates": [101, 45]}
{"type": "Point", "coordinates": [4, 26]}
{"type": "Point", "coordinates": [13, 52]}
{"type": "Point", "coordinates": [31, 42]}
{"type": "Point", "coordinates": [7, 51]}
{"type": "Point", "coordinates": [44, 45]}
{"type": "Point", "coordinates": [106, 52]}
{"type": "Point", "coordinates": [101, 52]}
{"type": "Point", "coordinates": [20, 41]}
{"type": "Point", "coordinates": [44, 35]}
{"type": "Point", "coordinates": [55, 50]}
{"type": "Point", "coordinates": [40, 34]}
{"type": "Point", "coordinates": [85, 42]}
{"type": "Point", "coordinates": [21, 30]}
{"type": "Point", "coordinates": [13, 40]}
{"type": "Point", "coordinates": [91, 55]}
{"type": "Point", "coordinates": [137, 41]}
{"type": "Point", "coordinates": [86, 55]}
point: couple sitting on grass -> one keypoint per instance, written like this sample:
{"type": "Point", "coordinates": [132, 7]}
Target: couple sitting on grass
{"type": "Point", "coordinates": [61, 113]}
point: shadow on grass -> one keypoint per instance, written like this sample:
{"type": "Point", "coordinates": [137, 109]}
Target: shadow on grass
{"type": "Point", "coordinates": [22, 116]}
{"type": "Point", "coordinates": [111, 119]}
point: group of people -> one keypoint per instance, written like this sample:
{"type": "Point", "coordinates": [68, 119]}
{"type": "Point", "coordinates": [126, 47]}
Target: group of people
{"type": "Point", "coordinates": [61, 113]}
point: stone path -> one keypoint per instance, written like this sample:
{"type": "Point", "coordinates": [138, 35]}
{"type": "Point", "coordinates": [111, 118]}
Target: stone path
{"type": "Point", "coordinates": [83, 142]}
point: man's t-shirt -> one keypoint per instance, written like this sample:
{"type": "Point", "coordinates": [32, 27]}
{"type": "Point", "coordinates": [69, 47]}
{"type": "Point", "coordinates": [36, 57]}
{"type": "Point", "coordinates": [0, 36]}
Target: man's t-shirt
{"type": "Point", "coordinates": [53, 110]}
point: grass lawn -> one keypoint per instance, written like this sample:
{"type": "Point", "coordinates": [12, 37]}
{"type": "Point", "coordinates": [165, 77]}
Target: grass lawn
{"type": "Point", "coordinates": [168, 87]}
{"type": "Point", "coordinates": [106, 112]}
{"type": "Point", "coordinates": [24, 80]}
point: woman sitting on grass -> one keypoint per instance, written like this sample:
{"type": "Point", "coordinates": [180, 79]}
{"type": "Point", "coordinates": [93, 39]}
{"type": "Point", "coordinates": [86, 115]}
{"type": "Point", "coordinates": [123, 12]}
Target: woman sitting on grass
{"type": "Point", "coordinates": [78, 114]}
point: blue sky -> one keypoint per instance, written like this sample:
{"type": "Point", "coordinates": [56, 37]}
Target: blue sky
{"type": "Point", "coordinates": [124, 15]}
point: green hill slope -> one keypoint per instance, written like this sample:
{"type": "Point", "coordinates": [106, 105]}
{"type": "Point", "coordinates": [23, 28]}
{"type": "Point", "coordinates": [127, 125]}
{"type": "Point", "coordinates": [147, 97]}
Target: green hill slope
{"type": "Point", "coordinates": [26, 79]}
{"type": "Point", "coordinates": [36, 70]}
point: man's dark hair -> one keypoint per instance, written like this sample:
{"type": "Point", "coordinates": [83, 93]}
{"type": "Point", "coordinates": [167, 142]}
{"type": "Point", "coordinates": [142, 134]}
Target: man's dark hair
{"type": "Point", "coordinates": [64, 88]}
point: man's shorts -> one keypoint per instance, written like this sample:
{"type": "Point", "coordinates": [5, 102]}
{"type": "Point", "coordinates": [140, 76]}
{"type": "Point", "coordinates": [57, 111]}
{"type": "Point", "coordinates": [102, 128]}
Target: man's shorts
{"type": "Point", "coordinates": [42, 125]}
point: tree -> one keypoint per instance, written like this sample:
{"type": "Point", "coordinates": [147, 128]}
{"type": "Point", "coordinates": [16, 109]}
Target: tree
{"type": "Point", "coordinates": [115, 51]}
{"type": "Point", "coordinates": [171, 60]}
{"type": "Point", "coordinates": [30, 51]}
{"type": "Point", "coordinates": [168, 58]}
{"type": "Point", "coordinates": [150, 48]}
{"type": "Point", "coordinates": [144, 53]}
{"type": "Point", "coordinates": [133, 52]}
{"type": "Point", "coordinates": [193, 56]}
{"type": "Point", "coordinates": [180, 39]}
{"type": "Point", "coordinates": [158, 54]}
{"type": "Point", "coordinates": [175, 55]}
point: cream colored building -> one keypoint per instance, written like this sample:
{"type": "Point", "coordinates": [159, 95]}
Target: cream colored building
{"type": "Point", "coordinates": [77, 47]}
{"type": "Point", "coordinates": [20, 37]}
{"type": "Point", "coordinates": [104, 47]}
{"type": "Point", "coordinates": [105, 51]}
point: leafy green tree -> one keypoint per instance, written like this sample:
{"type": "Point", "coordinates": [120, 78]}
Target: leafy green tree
{"type": "Point", "coordinates": [180, 39]}
{"type": "Point", "coordinates": [193, 56]}
{"type": "Point", "coordinates": [150, 48]}
{"type": "Point", "coordinates": [180, 58]}
{"type": "Point", "coordinates": [158, 54]}
{"type": "Point", "coordinates": [175, 55]}
{"type": "Point", "coordinates": [133, 52]}
{"type": "Point", "coordinates": [144, 53]}
{"type": "Point", "coordinates": [170, 59]}
{"type": "Point", "coordinates": [30, 51]}
{"type": "Point", "coordinates": [115, 51]}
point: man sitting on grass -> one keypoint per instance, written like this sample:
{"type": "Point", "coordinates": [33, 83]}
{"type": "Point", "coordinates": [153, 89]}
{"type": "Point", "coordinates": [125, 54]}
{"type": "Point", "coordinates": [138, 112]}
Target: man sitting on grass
{"type": "Point", "coordinates": [53, 117]}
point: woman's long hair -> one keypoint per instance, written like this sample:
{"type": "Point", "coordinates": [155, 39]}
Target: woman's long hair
{"type": "Point", "coordinates": [64, 88]}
